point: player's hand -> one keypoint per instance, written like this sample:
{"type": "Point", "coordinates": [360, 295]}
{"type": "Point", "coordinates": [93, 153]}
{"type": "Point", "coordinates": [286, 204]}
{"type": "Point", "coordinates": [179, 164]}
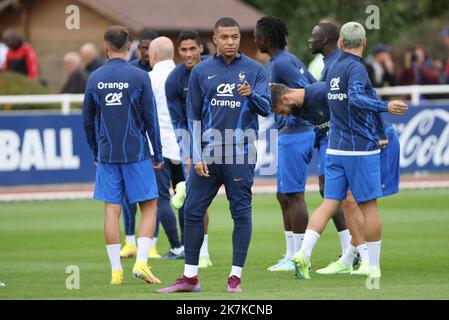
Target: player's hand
{"type": "Point", "coordinates": [383, 143]}
{"type": "Point", "coordinates": [201, 169]}
{"type": "Point", "coordinates": [397, 107]}
{"type": "Point", "coordinates": [244, 89]}
{"type": "Point", "coordinates": [157, 166]}
{"type": "Point", "coordinates": [188, 164]}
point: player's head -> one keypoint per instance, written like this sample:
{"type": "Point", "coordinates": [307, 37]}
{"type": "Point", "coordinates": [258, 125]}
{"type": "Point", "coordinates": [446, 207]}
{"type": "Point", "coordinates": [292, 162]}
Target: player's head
{"type": "Point", "coordinates": [281, 99]}
{"type": "Point", "coordinates": [116, 40]}
{"type": "Point", "coordinates": [190, 47]}
{"type": "Point", "coordinates": [323, 34]}
{"type": "Point", "coordinates": [161, 49]}
{"type": "Point", "coordinates": [270, 34]}
{"type": "Point", "coordinates": [145, 38]}
{"type": "Point", "coordinates": [352, 36]}
{"type": "Point", "coordinates": [227, 37]}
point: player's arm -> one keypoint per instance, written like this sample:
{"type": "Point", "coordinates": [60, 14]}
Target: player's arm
{"type": "Point", "coordinates": [258, 95]}
{"type": "Point", "coordinates": [357, 96]}
{"type": "Point", "coordinates": [178, 115]}
{"type": "Point", "coordinates": [89, 113]}
{"type": "Point", "coordinates": [151, 121]}
{"type": "Point", "coordinates": [194, 109]}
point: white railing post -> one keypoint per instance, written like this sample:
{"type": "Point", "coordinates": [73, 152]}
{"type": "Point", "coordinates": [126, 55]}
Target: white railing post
{"type": "Point", "coordinates": [65, 105]}
{"type": "Point", "coordinates": [415, 95]}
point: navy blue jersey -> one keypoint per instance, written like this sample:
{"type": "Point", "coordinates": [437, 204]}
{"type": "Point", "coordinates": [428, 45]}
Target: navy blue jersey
{"type": "Point", "coordinates": [329, 62]}
{"type": "Point", "coordinates": [119, 110]}
{"type": "Point", "coordinates": [315, 108]}
{"type": "Point", "coordinates": [286, 68]}
{"type": "Point", "coordinates": [138, 64]}
{"type": "Point", "coordinates": [354, 105]}
{"type": "Point", "coordinates": [214, 102]}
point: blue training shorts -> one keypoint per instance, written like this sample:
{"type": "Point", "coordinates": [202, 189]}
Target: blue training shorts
{"type": "Point", "coordinates": [295, 151]}
{"type": "Point", "coordinates": [360, 174]}
{"type": "Point", "coordinates": [389, 166]}
{"type": "Point", "coordinates": [137, 180]}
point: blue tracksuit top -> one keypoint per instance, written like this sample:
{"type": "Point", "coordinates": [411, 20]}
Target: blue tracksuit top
{"type": "Point", "coordinates": [287, 69]}
{"type": "Point", "coordinates": [119, 110]}
{"type": "Point", "coordinates": [214, 102]}
{"type": "Point", "coordinates": [354, 105]}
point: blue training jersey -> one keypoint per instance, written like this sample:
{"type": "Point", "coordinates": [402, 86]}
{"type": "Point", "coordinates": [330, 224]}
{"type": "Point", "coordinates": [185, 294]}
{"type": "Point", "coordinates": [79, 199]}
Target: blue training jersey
{"type": "Point", "coordinates": [176, 89]}
{"type": "Point", "coordinates": [329, 62]}
{"type": "Point", "coordinates": [355, 108]}
{"type": "Point", "coordinates": [214, 102]}
{"type": "Point", "coordinates": [287, 69]}
{"type": "Point", "coordinates": [119, 109]}
{"type": "Point", "coordinates": [315, 108]}
{"type": "Point", "coordinates": [137, 63]}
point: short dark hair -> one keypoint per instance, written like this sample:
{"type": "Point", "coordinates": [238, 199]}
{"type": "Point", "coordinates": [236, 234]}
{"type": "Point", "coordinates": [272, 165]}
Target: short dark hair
{"type": "Point", "coordinates": [189, 34]}
{"type": "Point", "coordinates": [330, 31]}
{"type": "Point", "coordinates": [117, 37]}
{"type": "Point", "coordinates": [277, 91]}
{"type": "Point", "coordinates": [147, 34]}
{"type": "Point", "coordinates": [274, 29]}
{"type": "Point", "coordinates": [226, 22]}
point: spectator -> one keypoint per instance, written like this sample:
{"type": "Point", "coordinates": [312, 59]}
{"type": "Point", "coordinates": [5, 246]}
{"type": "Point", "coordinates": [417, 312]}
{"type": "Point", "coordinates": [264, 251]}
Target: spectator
{"type": "Point", "coordinates": [145, 39]}
{"type": "Point", "coordinates": [20, 57]}
{"type": "Point", "coordinates": [77, 79]}
{"type": "Point", "coordinates": [419, 69]}
{"type": "Point", "coordinates": [90, 58]}
{"type": "Point", "coordinates": [380, 67]}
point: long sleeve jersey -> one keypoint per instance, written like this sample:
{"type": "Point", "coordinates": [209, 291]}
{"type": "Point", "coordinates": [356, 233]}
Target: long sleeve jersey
{"type": "Point", "coordinates": [215, 106]}
{"type": "Point", "coordinates": [119, 110]}
{"type": "Point", "coordinates": [355, 108]}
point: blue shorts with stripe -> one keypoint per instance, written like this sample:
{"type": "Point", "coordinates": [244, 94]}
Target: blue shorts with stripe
{"type": "Point", "coordinates": [136, 180]}
{"type": "Point", "coordinates": [359, 173]}
{"type": "Point", "coordinates": [295, 151]}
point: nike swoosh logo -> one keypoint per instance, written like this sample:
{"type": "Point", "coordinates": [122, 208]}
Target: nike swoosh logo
{"type": "Point", "coordinates": [186, 89]}
{"type": "Point", "coordinates": [236, 180]}
{"type": "Point", "coordinates": [211, 77]}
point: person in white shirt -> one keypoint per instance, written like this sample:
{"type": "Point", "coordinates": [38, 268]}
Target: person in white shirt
{"type": "Point", "coordinates": [161, 53]}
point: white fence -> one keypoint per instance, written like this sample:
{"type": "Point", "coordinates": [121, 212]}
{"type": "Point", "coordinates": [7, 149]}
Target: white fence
{"type": "Point", "coordinates": [67, 99]}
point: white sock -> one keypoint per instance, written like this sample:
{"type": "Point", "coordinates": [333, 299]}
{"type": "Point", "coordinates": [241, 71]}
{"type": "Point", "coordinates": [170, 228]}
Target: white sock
{"type": "Point", "coordinates": [289, 245]}
{"type": "Point", "coordinates": [190, 270]}
{"type": "Point", "coordinates": [154, 243]}
{"type": "Point", "coordinates": [204, 251]}
{"type": "Point", "coordinates": [363, 251]}
{"type": "Point", "coordinates": [143, 249]}
{"type": "Point", "coordinates": [131, 239]}
{"type": "Point", "coordinates": [236, 271]}
{"type": "Point", "coordinates": [309, 242]}
{"type": "Point", "coordinates": [345, 238]}
{"type": "Point", "coordinates": [177, 250]}
{"type": "Point", "coordinates": [114, 256]}
{"type": "Point", "coordinates": [374, 253]}
{"type": "Point", "coordinates": [349, 255]}
{"type": "Point", "coordinates": [297, 241]}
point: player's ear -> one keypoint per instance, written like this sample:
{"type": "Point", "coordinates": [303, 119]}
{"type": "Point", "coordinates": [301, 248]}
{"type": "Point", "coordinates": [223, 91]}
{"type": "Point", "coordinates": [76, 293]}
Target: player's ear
{"type": "Point", "coordinates": [340, 43]}
{"type": "Point", "coordinates": [129, 46]}
{"type": "Point", "coordinates": [214, 38]}
{"type": "Point", "coordinates": [201, 48]}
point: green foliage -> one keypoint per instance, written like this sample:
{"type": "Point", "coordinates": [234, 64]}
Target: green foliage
{"type": "Point", "coordinates": [12, 83]}
{"type": "Point", "coordinates": [397, 18]}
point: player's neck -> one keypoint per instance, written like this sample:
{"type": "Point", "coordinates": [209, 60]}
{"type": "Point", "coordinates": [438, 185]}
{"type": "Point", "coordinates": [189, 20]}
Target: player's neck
{"type": "Point", "coordinates": [356, 51]}
{"type": "Point", "coordinates": [328, 51]}
{"type": "Point", "coordinates": [114, 55]}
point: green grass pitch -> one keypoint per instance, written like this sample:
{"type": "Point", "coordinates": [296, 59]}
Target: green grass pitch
{"type": "Point", "coordinates": [38, 240]}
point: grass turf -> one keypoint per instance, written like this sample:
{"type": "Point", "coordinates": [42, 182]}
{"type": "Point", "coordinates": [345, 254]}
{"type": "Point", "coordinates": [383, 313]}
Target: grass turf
{"type": "Point", "coordinates": [38, 240]}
